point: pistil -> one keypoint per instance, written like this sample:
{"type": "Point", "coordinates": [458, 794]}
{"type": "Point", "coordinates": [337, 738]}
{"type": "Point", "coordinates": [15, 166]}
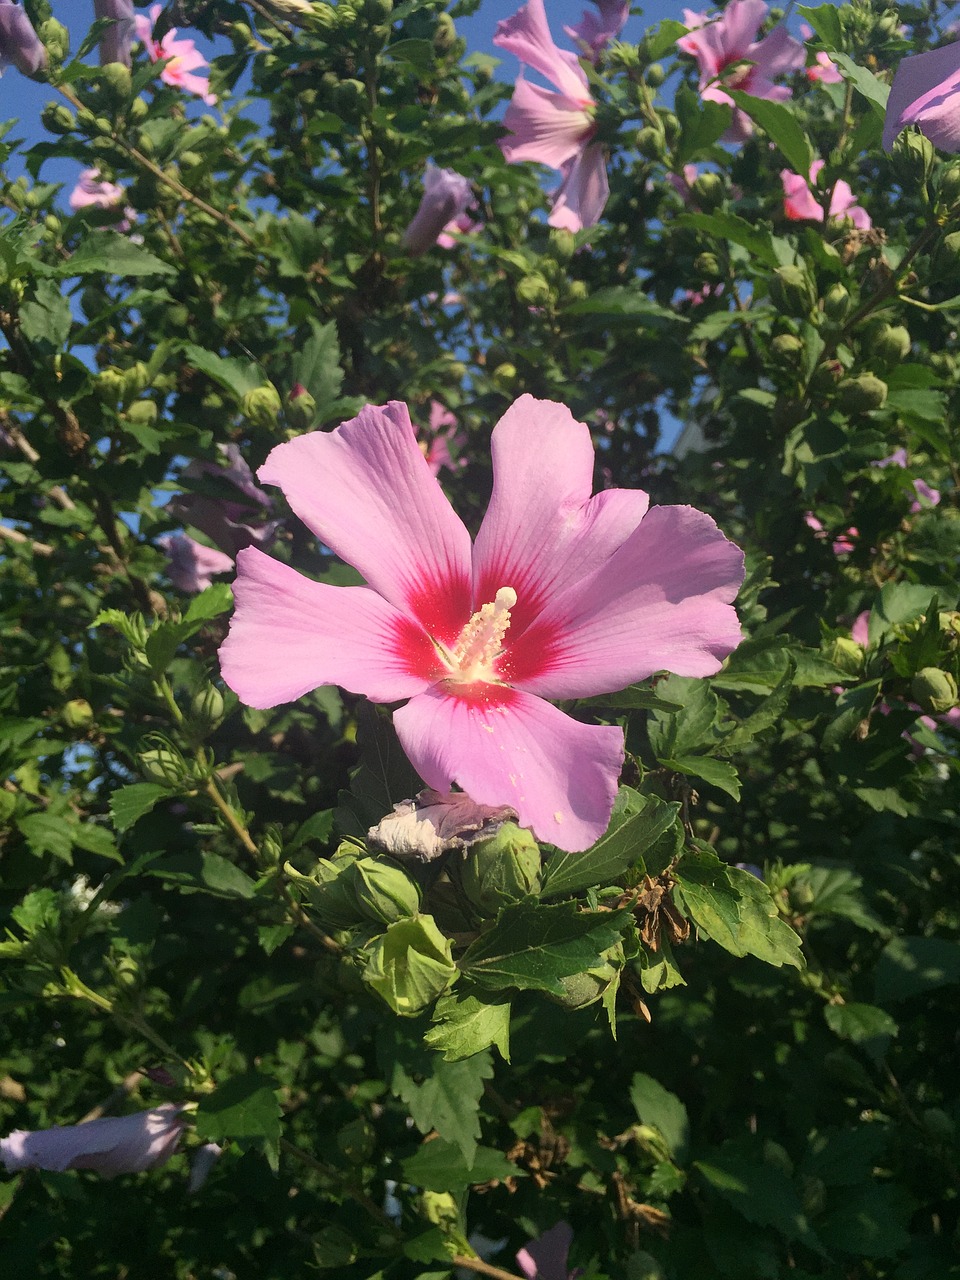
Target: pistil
{"type": "Point", "coordinates": [480, 642]}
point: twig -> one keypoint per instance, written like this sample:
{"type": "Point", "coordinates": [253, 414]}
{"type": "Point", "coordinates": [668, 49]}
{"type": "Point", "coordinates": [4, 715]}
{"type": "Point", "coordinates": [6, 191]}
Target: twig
{"type": "Point", "coordinates": [483, 1268]}
{"type": "Point", "coordinates": [14, 535]}
{"type": "Point", "coordinates": [123, 1090]}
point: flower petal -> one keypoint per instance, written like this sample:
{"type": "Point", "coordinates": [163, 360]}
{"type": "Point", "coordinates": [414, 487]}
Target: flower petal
{"type": "Point", "coordinates": [505, 747]}
{"type": "Point", "coordinates": [366, 491]}
{"type": "Point", "coordinates": [924, 92]}
{"type": "Point", "coordinates": [527, 35]}
{"type": "Point", "coordinates": [545, 127]}
{"type": "Point", "coordinates": [584, 192]}
{"type": "Point", "coordinates": [663, 602]}
{"type": "Point", "coordinates": [542, 529]}
{"type": "Point", "coordinates": [290, 635]}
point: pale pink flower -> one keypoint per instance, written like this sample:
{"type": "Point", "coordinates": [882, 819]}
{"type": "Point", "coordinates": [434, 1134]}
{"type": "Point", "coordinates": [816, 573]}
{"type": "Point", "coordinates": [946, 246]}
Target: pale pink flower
{"type": "Point", "coordinates": [729, 42]}
{"type": "Point", "coordinates": [93, 191]}
{"type": "Point", "coordinates": [117, 1144]}
{"type": "Point", "coordinates": [860, 631]}
{"type": "Point", "coordinates": [546, 1257]}
{"type": "Point", "coordinates": [554, 128]}
{"type": "Point", "coordinates": [896, 459]}
{"type": "Point", "coordinates": [842, 544]}
{"type": "Point", "coordinates": [926, 92]}
{"type": "Point", "coordinates": [233, 522]}
{"type": "Point", "coordinates": [926, 497]}
{"type": "Point", "coordinates": [184, 58]}
{"type": "Point", "coordinates": [446, 196]}
{"type": "Point", "coordinates": [683, 183]}
{"type": "Point", "coordinates": [462, 225]}
{"type": "Point", "coordinates": [192, 565]}
{"type": "Point", "coordinates": [697, 297]}
{"type": "Point", "coordinates": [443, 432]}
{"type": "Point", "coordinates": [20, 46]}
{"type": "Point", "coordinates": [800, 204]}
{"type": "Point", "coordinates": [597, 27]}
{"type": "Point", "coordinates": [824, 70]}
{"type": "Point", "coordinates": [563, 595]}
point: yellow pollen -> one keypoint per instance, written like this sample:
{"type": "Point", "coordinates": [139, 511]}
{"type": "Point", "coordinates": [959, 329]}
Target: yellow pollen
{"type": "Point", "coordinates": [480, 642]}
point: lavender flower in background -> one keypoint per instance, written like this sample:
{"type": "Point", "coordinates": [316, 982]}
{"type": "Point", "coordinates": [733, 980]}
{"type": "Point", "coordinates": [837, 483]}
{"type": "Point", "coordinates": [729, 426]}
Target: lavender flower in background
{"type": "Point", "coordinates": [117, 1144]}
{"type": "Point", "coordinates": [181, 57]}
{"type": "Point", "coordinates": [116, 39]}
{"type": "Point", "coordinates": [545, 1258]}
{"type": "Point", "coordinates": [446, 196]}
{"type": "Point", "coordinates": [200, 1166]}
{"type": "Point", "coordinates": [94, 191]}
{"type": "Point", "coordinates": [20, 46]}
{"type": "Point", "coordinates": [730, 57]}
{"type": "Point", "coordinates": [232, 523]}
{"type": "Point", "coordinates": [800, 204]}
{"type": "Point", "coordinates": [896, 459]}
{"type": "Point", "coordinates": [597, 27]}
{"type": "Point", "coordinates": [926, 92]}
{"type": "Point", "coordinates": [842, 544]}
{"type": "Point", "coordinates": [443, 432]}
{"type": "Point", "coordinates": [682, 183]}
{"type": "Point", "coordinates": [192, 566]}
{"type": "Point", "coordinates": [926, 496]}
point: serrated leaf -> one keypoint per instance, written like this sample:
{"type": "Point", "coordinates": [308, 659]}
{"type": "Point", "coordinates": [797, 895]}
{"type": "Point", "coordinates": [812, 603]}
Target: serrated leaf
{"type": "Point", "coordinates": [636, 823]}
{"type": "Point", "coordinates": [317, 366]}
{"type": "Point", "coordinates": [623, 304]}
{"type": "Point", "coordinates": [448, 1099]}
{"type": "Point", "coordinates": [658, 1106]}
{"type": "Point", "coordinates": [440, 1166]}
{"type": "Point", "coordinates": [245, 1106]}
{"type": "Point", "coordinates": [769, 713]}
{"type": "Point", "coordinates": [729, 226]}
{"type": "Point", "coordinates": [94, 839]}
{"type": "Point", "coordinates": [862, 1024]}
{"type": "Point", "coordinates": [780, 125]}
{"type": "Point", "coordinates": [205, 873]}
{"type": "Point", "coordinates": [532, 946]}
{"type": "Point", "coordinates": [47, 833]}
{"type": "Point", "coordinates": [702, 122]}
{"type": "Point", "coordinates": [112, 254]}
{"type": "Point", "coordinates": [466, 1023]}
{"type": "Point", "coordinates": [719, 773]}
{"type": "Point", "coordinates": [236, 376]}
{"type": "Point", "coordinates": [749, 1175]}
{"type": "Point", "coordinates": [210, 603]}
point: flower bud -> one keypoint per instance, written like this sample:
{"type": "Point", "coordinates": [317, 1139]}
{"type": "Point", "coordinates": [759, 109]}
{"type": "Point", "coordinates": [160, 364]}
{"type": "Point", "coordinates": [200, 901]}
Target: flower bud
{"type": "Point", "coordinates": [206, 707]}
{"type": "Point", "coordinates": [914, 157]}
{"type": "Point", "coordinates": [383, 891]}
{"type": "Point", "coordinates": [445, 34]}
{"type": "Point", "coordinates": [329, 891]}
{"type": "Point", "coordinates": [655, 75]}
{"type": "Point", "coordinates": [836, 303]}
{"type": "Point", "coordinates": [58, 118]}
{"type": "Point", "coordinates": [708, 266]}
{"type": "Point", "coordinates": [792, 290]}
{"type": "Point", "coordinates": [139, 110]}
{"type": "Point", "coordinates": [56, 39]}
{"type": "Point", "coordinates": [533, 290]}
{"type": "Point", "coordinates": [115, 83]}
{"type": "Point", "coordinates": [110, 386]}
{"type": "Point", "coordinates": [891, 343]}
{"type": "Point", "coordinates": [934, 690]}
{"type": "Point", "coordinates": [504, 375]}
{"type": "Point", "coordinates": [707, 191]}
{"type": "Point", "coordinates": [164, 765]}
{"type": "Point", "coordinates": [143, 413]}
{"type": "Point", "coordinates": [582, 989]}
{"type": "Point", "coordinates": [77, 713]}
{"type": "Point", "coordinates": [349, 97]}
{"type": "Point", "coordinates": [949, 185]}
{"type": "Point", "coordinates": [301, 408]}
{"type": "Point", "coordinates": [501, 870]}
{"type": "Point", "coordinates": [262, 405]}
{"type": "Point", "coordinates": [787, 348]}
{"type": "Point", "coordinates": [845, 654]}
{"type": "Point", "coordinates": [410, 965]}
{"type": "Point", "coordinates": [861, 394]}
{"type": "Point", "coordinates": [651, 143]}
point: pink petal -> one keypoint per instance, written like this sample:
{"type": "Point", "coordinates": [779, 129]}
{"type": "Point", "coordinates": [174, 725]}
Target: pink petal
{"type": "Point", "coordinates": [546, 127]}
{"type": "Point", "coordinates": [925, 92]}
{"type": "Point", "coordinates": [510, 748]}
{"type": "Point", "coordinates": [663, 602]}
{"type": "Point", "coordinates": [546, 1257]}
{"type": "Point", "coordinates": [799, 202]}
{"type": "Point", "coordinates": [584, 192]}
{"type": "Point", "coordinates": [542, 530]}
{"type": "Point", "coordinates": [112, 1145]}
{"type": "Point", "coordinates": [527, 35]}
{"type": "Point", "coordinates": [366, 491]}
{"type": "Point", "coordinates": [289, 635]}
{"type": "Point", "coordinates": [777, 54]}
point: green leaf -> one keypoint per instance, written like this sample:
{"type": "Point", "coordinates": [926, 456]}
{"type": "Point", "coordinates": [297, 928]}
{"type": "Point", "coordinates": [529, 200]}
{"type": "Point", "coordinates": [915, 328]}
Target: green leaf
{"type": "Point", "coordinates": [871, 1222]}
{"type": "Point", "coordinates": [129, 804]}
{"type": "Point", "coordinates": [440, 1166]}
{"type": "Point", "coordinates": [865, 82]}
{"type": "Point", "coordinates": [210, 603]}
{"type": "Point", "coordinates": [236, 376]}
{"type": "Point", "coordinates": [621, 304]}
{"type": "Point", "coordinates": [911, 966]}
{"type": "Point", "coordinates": [768, 714]}
{"type": "Point", "coordinates": [47, 833]}
{"type": "Point", "coordinates": [112, 254]}
{"type": "Point", "coordinates": [750, 1176]}
{"type": "Point", "coordinates": [317, 366]}
{"type": "Point", "coordinates": [533, 946]}
{"type": "Point", "coordinates": [862, 1024]}
{"type": "Point", "coordinates": [729, 226]}
{"type": "Point", "coordinates": [664, 36]}
{"type": "Point", "coordinates": [205, 873]}
{"type": "Point", "coordinates": [466, 1023]}
{"type": "Point", "coordinates": [692, 729]}
{"type": "Point", "coordinates": [702, 123]}
{"type": "Point", "coordinates": [383, 778]}
{"type": "Point", "coordinates": [897, 603]}
{"type": "Point", "coordinates": [658, 1106]}
{"type": "Point", "coordinates": [636, 823]}
{"type": "Point", "coordinates": [826, 23]}
{"type": "Point", "coordinates": [719, 773]}
{"type": "Point", "coordinates": [780, 125]}
{"type": "Point", "coordinates": [418, 54]}
{"type": "Point", "coordinates": [448, 1099]}
{"type": "Point", "coordinates": [95, 839]}
{"type": "Point", "coordinates": [245, 1106]}
{"type": "Point", "coordinates": [47, 317]}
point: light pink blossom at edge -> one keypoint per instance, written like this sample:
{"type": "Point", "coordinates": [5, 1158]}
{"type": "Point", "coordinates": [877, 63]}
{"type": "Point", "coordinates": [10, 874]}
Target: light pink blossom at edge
{"type": "Point", "coordinates": [563, 595]}
{"type": "Point", "coordinates": [116, 1144]}
{"type": "Point", "coordinates": [184, 57]}
{"type": "Point", "coordinates": [926, 92]}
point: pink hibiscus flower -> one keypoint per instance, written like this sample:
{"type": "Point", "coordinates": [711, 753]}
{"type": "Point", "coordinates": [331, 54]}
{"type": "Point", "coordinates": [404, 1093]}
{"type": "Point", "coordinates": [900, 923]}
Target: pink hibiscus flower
{"type": "Point", "coordinates": [800, 204]}
{"type": "Point", "coordinates": [554, 128]}
{"type": "Point", "coordinates": [545, 1258]}
{"type": "Point", "coordinates": [184, 58]}
{"type": "Point", "coordinates": [445, 198]}
{"type": "Point", "coordinates": [597, 27]}
{"type": "Point", "coordinates": [93, 191]}
{"type": "Point", "coordinates": [192, 566]}
{"type": "Point", "coordinates": [443, 432]}
{"type": "Point", "coordinates": [115, 1144]}
{"type": "Point", "coordinates": [729, 41]}
{"type": "Point", "coordinates": [926, 92]}
{"type": "Point", "coordinates": [562, 595]}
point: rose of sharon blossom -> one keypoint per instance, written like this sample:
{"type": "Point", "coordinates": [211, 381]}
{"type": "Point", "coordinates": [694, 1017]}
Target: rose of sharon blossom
{"type": "Point", "coordinates": [94, 191]}
{"type": "Point", "coordinates": [729, 41]}
{"type": "Point", "coordinates": [20, 46]}
{"type": "Point", "coordinates": [546, 1257]}
{"type": "Point", "coordinates": [443, 432]}
{"type": "Point", "coordinates": [597, 27]}
{"type": "Point", "coordinates": [232, 523]}
{"type": "Point", "coordinates": [445, 198]}
{"type": "Point", "coordinates": [184, 58]}
{"type": "Point", "coordinates": [554, 128]}
{"type": "Point", "coordinates": [926, 92]}
{"type": "Point", "coordinates": [799, 202]}
{"type": "Point", "coordinates": [117, 38]}
{"type": "Point", "coordinates": [192, 566]}
{"type": "Point", "coordinates": [563, 595]}
{"type": "Point", "coordinates": [117, 1144]}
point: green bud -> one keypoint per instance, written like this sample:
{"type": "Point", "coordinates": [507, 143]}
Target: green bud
{"type": "Point", "coordinates": [914, 157]}
{"type": "Point", "coordinates": [143, 413]}
{"type": "Point", "coordinates": [582, 989]}
{"type": "Point", "coordinates": [563, 243]}
{"type": "Point", "coordinates": [445, 34]}
{"type": "Point", "coordinates": [77, 713]}
{"type": "Point", "coordinates": [262, 406]}
{"type": "Point", "coordinates": [139, 111]}
{"type": "Point", "coordinates": [410, 965]}
{"type": "Point", "coordinates": [824, 379]}
{"type": "Point", "coordinates": [384, 892]}
{"type": "Point", "coordinates": [58, 118]}
{"type": "Point", "coordinates": [329, 891]}
{"type": "Point", "coordinates": [135, 379]}
{"type": "Point", "coordinates": [792, 290]}
{"type": "Point", "coordinates": [164, 765]}
{"type": "Point", "coordinates": [110, 385]}
{"type": "Point", "coordinates": [934, 690]}
{"type": "Point", "coordinates": [948, 187]}
{"type": "Point", "coordinates": [708, 266]}
{"type": "Point", "coordinates": [377, 10]}
{"type": "Point", "coordinates": [655, 75]}
{"type": "Point", "coordinates": [577, 290]}
{"type": "Point", "coordinates": [301, 407]}
{"type": "Point", "coordinates": [56, 39]}
{"type": "Point", "coordinates": [349, 97]}
{"type": "Point", "coordinates": [787, 348]}
{"type": "Point", "coordinates": [533, 290]}
{"type": "Point", "coordinates": [190, 159]}
{"type": "Point", "coordinates": [501, 870]}
{"type": "Point", "coordinates": [271, 848]}
{"type": "Point", "coordinates": [708, 191]}
{"type": "Point", "coordinates": [845, 654]}
{"type": "Point", "coordinates": [651, 143]}
{"type": "Point", "coordinates": [861, 394]}
{"type": "Point", "coordinates": [939, 1123]}
{"type": "Point", "coordinates": [206, 707]}
{"type": "Point", "coordinates": [504, 375]}
{"type": "Point", "coordinates": [52, 223]}
{"type": "Point", "coordinates": [891, 343]}
{"type": "Point", "coordinates": [671, 125]}
{"type": "Point", "coordinates": [115, 83]}
{"type": "Point", "coordinates": [836, 303]}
